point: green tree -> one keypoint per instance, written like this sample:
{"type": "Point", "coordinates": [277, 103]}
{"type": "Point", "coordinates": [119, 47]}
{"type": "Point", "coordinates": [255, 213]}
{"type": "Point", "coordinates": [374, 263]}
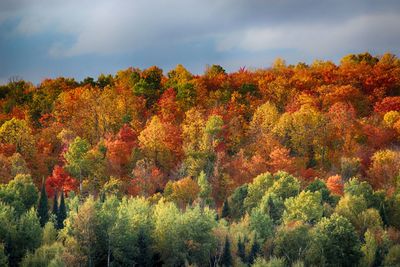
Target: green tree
{"type": "Point", "coordinates": [145, 255]}
{"type": "Point", "coordinates": [62, 212]}
{"type": "Point", "coordinates": [334, 243]}
{"type": "Point", "coordinates": [3, 256]}
{"type": "Point", "coordinates": [49, 233]}
{"type": "Point", "coordinates": [305, 207]}
{"type": "Point", "coordinates": [261, 223]}
{"type": "Point", "coordinates": [226, 210]}
{"type": "Point", "coordinates": [291, 242]}
{"type": "Point", "coordinates": [133, 216]}
{"type": "Point", "coordinates": [107, 224]}
{"type": "Point", "coordinates": [351, 207]}
{"type": "Point", "coordinates": [82, 232]}
{"type": "Point", "coordinates": [28, 235]}
{"type": "Point", "coordinates": [320, 186]}
{"type": "Point", "coordinates": [393, 256]}
{"type": "Point", "coordinates": [257, 189]}
{"type": "Point", "coordinates": [43, 256]}
{"type": "Point", "coordinates": [226, 258]}
{"type": "Point", "coordinates": [181, 237]}
{"type": "Point", "coordinates": [76, 159]}
{"type": "Point", "coordinates": [21, 193]}
{"type": "Point", "coordinates": [205, 188]}
{"type": "Point", "coordinates": [7, 228]}
{"type": "Point", "coordinates": [43, 207]}
{"type": "Point", "coordinates": [236, 201]}
{"type": "Point", "coordinates": [369, 249]}
{"type": "Point", "coordinates": [255, 250]}
{"type": "Point", "coordinates": [241, 250]}
{"type": "Point", "coordinates": [149, 85]}
{"type": "Point", "coordinates": [355, 187]}
{"type": "Point", "coordinates": [285, 185]}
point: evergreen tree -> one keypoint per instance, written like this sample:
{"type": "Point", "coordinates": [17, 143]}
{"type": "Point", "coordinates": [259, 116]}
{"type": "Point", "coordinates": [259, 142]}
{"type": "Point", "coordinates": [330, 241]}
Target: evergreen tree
{"type": "Point", "coordinates": [42, 210]}
{"type": "Point", "coordinates": [62, 212]}
{"type": "Point", "coordinates": [273, 211]}
{"type": "Point", "coordinates": [255, 250]}
{"type": "Point", "coordinates": [55, 204]}
{"type": "Point", "coordinates": [225, 209]}
{"type": "Point", "coordinates": [226, 259]}
{"type": "Point", "coordinates": [145, 256]}
{"type": "Point", "coordinates": [241, 251]}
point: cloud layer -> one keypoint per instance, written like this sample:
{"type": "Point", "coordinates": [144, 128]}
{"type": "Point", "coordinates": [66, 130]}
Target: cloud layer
{"type": "Point", "coordinates": [61, 37]}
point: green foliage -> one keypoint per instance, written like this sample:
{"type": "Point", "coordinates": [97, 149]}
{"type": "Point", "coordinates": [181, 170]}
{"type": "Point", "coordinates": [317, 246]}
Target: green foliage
{"type": "Point", "coordinates": [226, 258]}
{"type": "Point", "coordinates": [183, 237]}
{"type": "Point", "coordinates": [241, 250]}
{"type": "Point", "coordinates": [272, 262]}
{"type": "Point", "coordinates": [3, 256]}
{"type": "Point", "coordinates": [261, 223]}
{"type": "Point", "coordinates": [76, 158]}
{"type": "Point", "coordinates": [62, 212]}
{"type": "Point", "coordinates": [205, 189]}
{"type": "Point", "coordinates": [305, 207]}
{"type": "Point", "coordinates": [334, 243]}
{"type": "Point", "coordinates": [285, 185]}
{"type": "Point", "coordinates": [291, 242]}
{"type": "Point", "coordinates": [236, 201]}
{"type": "Point", "coordinates": [43, 256]}
{"type": "Point", "coordinates": [320, 186]}
{"type": "Point", "coordinates": [351, 207]}
{"type": "Point", "coordinates": [393, 257]}
{"type": "Point", "coordinates": [149, 85]}
{"type": "Point", "coordinates": [49, 233]}
{"type": "Point", "coordinates": [28, 235]}
{"type": "Point", "coordinates": [255, 251]}
{"type": "Point", "coordinates": [20, 193]}
{"type": "Point", "coordinates": [43, 207]}
{"type": "Point", "coordinates": [257, 189]}
{"type": "Point", "coordinates": [226, 210]}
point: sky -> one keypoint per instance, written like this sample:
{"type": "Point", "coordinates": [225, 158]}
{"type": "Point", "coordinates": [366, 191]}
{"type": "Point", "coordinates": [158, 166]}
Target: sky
{"type": "Point", "coordinates": [78, 38]}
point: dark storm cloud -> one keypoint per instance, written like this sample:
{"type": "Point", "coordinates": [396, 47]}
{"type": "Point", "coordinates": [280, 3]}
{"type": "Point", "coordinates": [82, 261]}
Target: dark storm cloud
{"type": "Point", "coordinates": [87, 37]}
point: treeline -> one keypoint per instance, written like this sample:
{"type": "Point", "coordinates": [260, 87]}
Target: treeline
{"type": "Point", "coordinates": [272, 221]}
{"type": "Point", "coordinates": [212, 169]}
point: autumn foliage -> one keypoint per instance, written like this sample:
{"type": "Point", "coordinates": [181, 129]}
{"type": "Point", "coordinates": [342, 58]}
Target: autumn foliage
{"type": "Point", "coordinates": [145, 128]}
{"type": "Point", "coordinates": [60, 181]}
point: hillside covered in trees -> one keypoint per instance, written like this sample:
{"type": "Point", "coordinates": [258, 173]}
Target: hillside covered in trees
{"type": "Point", "coordinates": [293, 165]}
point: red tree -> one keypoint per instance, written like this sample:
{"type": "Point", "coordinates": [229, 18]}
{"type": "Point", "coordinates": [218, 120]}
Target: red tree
{"type": "Point", "coordinates": [335, 185]}
{"type": "Point", "coordinates": [388, 104]}
{"type": "Point", "coordinates": [59, 181]}
{"type": "Point", "coordinates": [120, 148]}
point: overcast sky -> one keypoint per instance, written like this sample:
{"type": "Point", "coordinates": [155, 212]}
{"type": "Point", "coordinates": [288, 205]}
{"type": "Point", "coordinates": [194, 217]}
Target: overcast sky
{"type": "Point", "coordinates": [79, 38]}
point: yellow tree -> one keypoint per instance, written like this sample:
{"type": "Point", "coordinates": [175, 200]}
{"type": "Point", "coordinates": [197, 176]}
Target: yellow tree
{"type": "Point", "coordinates": [160, 142]}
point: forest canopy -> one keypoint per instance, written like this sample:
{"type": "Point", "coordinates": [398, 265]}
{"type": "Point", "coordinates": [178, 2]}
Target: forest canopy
{"type": "Point", "coordinates": [291, 165]}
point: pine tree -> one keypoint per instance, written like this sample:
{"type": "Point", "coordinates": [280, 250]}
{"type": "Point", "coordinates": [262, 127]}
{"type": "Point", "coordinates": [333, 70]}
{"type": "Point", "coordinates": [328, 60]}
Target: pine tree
{"type": "Point", "coordinates": [145, 256]}
{"type": "Point", "coordinates": [255, 250]}
{"type": "Point", "coordinates": [43, 209]}
{"type": "Point", "coordinates": [225, 210]}
{"type": "Point", "coordinates": [226, 259]}
{"type": "Point", "coordinates": [241, 251]}
{"type": "Point", "coordinates": [62, 212]}
{"type": "Point", "coordinates": [55, 204]}
{"type": "Point", "coordinates": [273, 211]}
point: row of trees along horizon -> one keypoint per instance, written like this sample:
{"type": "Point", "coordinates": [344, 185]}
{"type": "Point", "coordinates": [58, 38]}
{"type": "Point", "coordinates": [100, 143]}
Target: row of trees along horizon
{"type": "Point", "coordinates": [292, 165]}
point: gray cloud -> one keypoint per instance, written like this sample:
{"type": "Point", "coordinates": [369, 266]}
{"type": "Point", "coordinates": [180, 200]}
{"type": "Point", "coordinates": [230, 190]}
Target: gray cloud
{"type": "Point", "coordinates": [228, 30]}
